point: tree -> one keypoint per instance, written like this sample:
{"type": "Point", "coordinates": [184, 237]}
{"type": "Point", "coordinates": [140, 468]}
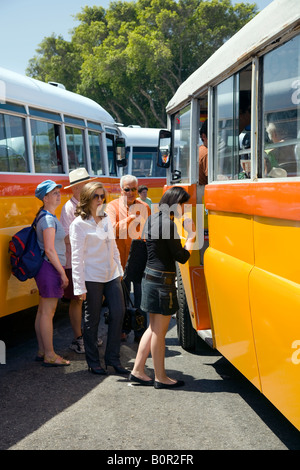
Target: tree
{"type": "Point", "coordinates": [50, 65]}
{"type": "Point", "coordinates": [132, 57]}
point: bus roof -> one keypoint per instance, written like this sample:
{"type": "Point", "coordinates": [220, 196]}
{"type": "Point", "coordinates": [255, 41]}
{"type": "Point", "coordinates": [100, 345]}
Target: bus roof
{"type": "Point", "coordinates": [140, 136]}
{"type": "Point", "coordinates": [280, 16]}
{"type": "Point", "coordinates": [29, 91]}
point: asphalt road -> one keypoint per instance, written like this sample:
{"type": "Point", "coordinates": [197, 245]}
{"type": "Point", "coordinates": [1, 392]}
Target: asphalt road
{"type": "Point", "coordinates": [71, 409]}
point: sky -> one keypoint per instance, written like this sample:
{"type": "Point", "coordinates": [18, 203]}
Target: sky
{"type": "Point", "coordinates": [24, 24]}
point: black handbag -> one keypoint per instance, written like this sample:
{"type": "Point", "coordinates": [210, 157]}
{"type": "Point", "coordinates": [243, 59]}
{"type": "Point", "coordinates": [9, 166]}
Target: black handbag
{"type": "Point", "coordinates": [136, 261]}
{"type": "Point", "coordinates": [134, 319]}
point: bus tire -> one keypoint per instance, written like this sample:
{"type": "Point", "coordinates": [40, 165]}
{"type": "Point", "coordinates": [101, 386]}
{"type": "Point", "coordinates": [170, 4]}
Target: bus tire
{"type": "Point", "coordinates": [187, 335]}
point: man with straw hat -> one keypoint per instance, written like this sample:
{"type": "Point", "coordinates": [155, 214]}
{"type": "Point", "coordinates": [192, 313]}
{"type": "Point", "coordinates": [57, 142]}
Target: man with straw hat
{"type": "Point", "coordinates": [78, 178]}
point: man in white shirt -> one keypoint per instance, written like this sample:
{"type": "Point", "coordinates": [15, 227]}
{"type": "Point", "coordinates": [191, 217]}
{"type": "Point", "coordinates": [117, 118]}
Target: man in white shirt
{"type": "Point", "coordinates": [78, 178]}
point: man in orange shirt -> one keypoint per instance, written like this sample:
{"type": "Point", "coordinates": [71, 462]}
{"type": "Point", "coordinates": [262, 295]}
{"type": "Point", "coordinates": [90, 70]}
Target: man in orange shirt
{"type": "Point", "coordinates": [203, 152]}
{"type": "Point", "coordinates": [128, 216]}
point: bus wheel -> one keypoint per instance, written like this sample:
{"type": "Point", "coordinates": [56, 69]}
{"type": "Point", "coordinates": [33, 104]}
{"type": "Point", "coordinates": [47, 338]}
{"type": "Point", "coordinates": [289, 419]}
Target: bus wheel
{"type": "Point", "coordinates": [187, 335]}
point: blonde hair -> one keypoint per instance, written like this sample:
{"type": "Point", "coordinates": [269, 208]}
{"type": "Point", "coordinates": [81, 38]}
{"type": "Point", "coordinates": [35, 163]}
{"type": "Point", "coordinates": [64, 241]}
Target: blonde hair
{"type": "Point", "coordinates": [86, 196]}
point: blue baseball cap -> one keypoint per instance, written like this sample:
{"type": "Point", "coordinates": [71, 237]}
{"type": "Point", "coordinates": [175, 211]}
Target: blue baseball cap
{"type": "Point", "coordinates": [45, 187]}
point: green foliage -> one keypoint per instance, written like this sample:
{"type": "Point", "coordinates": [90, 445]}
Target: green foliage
{"type": "Point", "coordinates": [132, 57]}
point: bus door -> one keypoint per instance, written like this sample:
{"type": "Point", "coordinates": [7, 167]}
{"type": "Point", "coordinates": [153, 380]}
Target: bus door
{"type": "Point", "coordinates": [193, 317]}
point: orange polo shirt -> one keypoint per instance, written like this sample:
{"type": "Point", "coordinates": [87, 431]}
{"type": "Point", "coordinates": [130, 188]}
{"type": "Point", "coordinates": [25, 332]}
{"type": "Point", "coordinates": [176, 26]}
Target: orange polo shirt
{"type": "Point", "coordinates": [126, 227]}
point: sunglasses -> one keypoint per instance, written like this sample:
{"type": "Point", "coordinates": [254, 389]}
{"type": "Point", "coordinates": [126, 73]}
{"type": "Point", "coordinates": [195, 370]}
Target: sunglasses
{"type": "Point", "coordinates": [99, 196]}
{"type": "Point", "coordinates": [129, 189]}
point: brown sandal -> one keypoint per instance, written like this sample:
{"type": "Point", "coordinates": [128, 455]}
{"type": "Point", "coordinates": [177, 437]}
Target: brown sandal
{"type": "Point", "coordinates": [58, 361]}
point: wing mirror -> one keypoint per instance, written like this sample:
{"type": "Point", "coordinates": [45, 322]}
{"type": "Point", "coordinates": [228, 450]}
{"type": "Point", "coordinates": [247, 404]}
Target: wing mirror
{"type": "Point", "coordinates": [164, 149]}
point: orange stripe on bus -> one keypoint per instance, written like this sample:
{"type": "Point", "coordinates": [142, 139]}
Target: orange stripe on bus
{"type": "Point", "coordinates": [24, 185]}
{"type": "Point", "coordinates": [280, 200]}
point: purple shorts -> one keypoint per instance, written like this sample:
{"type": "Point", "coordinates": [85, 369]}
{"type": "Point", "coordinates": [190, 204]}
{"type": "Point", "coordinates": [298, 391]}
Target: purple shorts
{"type": "Point", "coordinates": [48, 281]}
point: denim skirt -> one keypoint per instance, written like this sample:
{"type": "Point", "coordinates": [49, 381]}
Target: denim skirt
{"type": "Point", "coordinates": [158, 297]}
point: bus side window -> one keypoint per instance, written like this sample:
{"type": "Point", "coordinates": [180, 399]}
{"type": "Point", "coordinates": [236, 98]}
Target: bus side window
{"type": "Point", "coordinates": [46, 147]}
{"type": "Point", "coordinates": [245, 131]}
{"type": "Point", "coordinates": [281, 111]}
{"type": "Point", "coordinates": [13, 154]}
{"type": "Point", "coordinates": [75, 147]}
{"type": "Point", "coordinates": [95, 151]}
{"type": "Point", "coordinates": [224, 143]}
{"type": "Point", "coordinates": [232, 155]}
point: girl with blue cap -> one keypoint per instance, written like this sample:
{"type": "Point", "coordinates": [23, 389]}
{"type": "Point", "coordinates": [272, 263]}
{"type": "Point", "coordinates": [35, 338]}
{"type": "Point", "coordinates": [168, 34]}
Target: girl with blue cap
{"type": "Point", "coordinates": [51, 280]}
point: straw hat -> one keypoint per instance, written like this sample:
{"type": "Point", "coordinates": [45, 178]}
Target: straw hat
{"type": "Point", "coordinates": [80, 175]}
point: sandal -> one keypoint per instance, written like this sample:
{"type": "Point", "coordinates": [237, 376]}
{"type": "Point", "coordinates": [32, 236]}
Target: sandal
{"type": "Point", "coordinates": [58, 361]}
{"type": "Point", "coordinates": [39, 357]}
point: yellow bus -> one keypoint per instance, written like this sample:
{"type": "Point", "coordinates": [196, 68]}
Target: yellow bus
{"type": "Point", "coordinates": [241, 291]}
{"type": "Point", "coordinates": [45, 131]}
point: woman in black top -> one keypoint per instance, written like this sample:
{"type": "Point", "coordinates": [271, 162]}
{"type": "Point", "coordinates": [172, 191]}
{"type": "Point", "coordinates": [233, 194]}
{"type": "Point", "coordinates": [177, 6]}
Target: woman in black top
{"type": "Point", "coordinates": [159, 296]}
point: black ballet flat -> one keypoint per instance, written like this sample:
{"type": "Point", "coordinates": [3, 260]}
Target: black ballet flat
{"type": "Point", "coordinates": [97, 370]}
{"type": "Point", "coordinates": [119, 369]}
{"type": "Point", "coordinates": [160, 385]}
{"type": "Point", "coordinates": [132, 378]}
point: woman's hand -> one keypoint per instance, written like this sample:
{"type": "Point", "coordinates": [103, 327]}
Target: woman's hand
{"type": "Point", "coordinates": [82, 296]}
{"type": "Point", "coordinates": [64, 280]}
{"type": "Point", "coordinates": [190, 227]}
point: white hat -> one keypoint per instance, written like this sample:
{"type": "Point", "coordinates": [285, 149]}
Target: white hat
{"type": "Point", "coordinates": [80, 175]}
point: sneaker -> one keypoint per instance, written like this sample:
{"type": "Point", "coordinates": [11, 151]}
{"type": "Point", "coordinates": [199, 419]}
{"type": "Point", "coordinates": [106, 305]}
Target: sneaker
{"type": "Point", "coordinates": [77, 345]}
{"type": "Point", "coordinates": [123, 337]}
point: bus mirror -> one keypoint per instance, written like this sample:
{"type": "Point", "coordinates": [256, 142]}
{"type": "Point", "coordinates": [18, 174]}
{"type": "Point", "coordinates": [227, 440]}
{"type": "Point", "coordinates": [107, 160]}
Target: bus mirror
{"type": "Point", "coordinates": [176, 177]}
{"type": "Point", "coordinates": [164, 149]}
{"type": "Point", "coordinates": [121, 151]}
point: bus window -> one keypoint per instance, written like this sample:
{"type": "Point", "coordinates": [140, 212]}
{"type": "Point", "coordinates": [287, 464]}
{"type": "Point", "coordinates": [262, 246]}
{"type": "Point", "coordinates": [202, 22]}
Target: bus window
{"type": "Point", "coordinates": [110, 153]}
{"type": "Point", "coordinates": [203, 141]}
{"type": "Point", "coordinates": [225, 136]}
{"type": "Point", "coordinates": [281, 110]}
{"type": "Point", "coordinates": [232, 155]}
{"type": "Point", "coordinates": [144, 163]}
{"type": "Point", "coordinates": [46, 147]}
{"type": "Point", "coordinates": [95, 151]}
{"type": "Point", "coordinates": [13, 154]}
{"type": "Point", "coordinates": [182, 148]}
{"type": "Point", "coordinates": [75, 148]}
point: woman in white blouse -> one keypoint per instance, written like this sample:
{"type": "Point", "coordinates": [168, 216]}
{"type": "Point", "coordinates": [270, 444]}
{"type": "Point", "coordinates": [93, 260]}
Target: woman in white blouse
{"type": "Point", "coordinates": [97, 271]}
